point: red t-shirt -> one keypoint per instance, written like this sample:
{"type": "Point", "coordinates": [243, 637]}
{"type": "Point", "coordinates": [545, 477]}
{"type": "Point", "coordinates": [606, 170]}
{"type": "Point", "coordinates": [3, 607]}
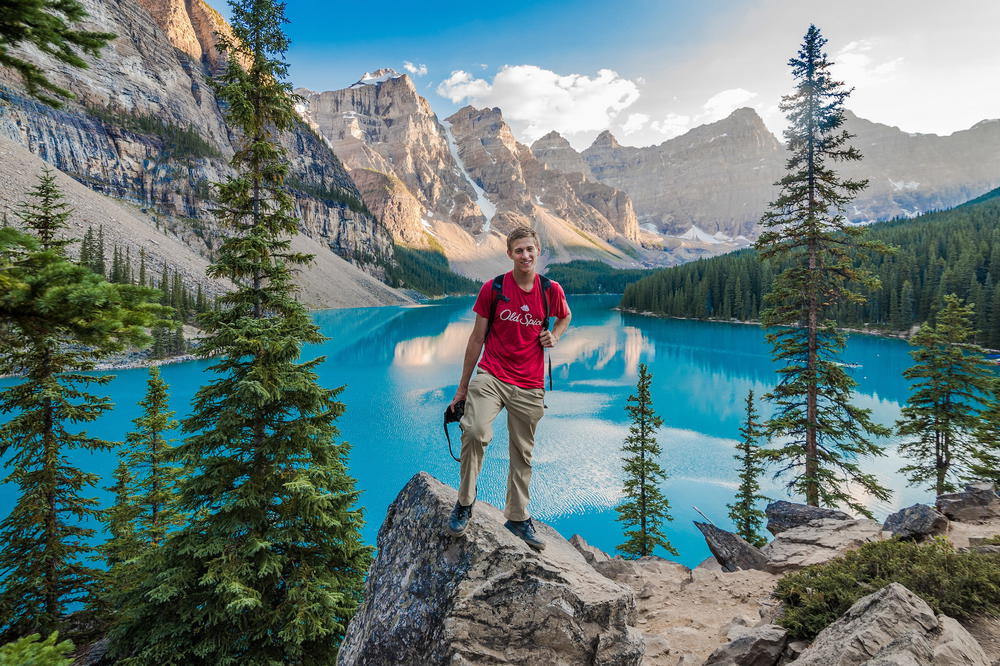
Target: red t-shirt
{"type": "Point", "coordinates": [513, 353]}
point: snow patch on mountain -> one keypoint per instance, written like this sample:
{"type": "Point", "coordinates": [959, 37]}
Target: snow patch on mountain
{"type": "Point", "coordinates": [488, 207]}
{"type": "Point", "coordinates": [696, 234]}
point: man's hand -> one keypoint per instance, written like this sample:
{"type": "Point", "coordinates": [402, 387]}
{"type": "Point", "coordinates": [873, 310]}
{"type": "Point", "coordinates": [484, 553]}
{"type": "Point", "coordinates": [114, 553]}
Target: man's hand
{"type": "Point", "coordinates": [460, 394]}
{"type": "Point", "coordinates": [548, 339]}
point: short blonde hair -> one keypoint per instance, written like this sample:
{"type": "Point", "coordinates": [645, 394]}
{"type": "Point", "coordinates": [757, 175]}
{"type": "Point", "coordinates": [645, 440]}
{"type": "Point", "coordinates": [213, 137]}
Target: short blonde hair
{"type": "Point", "coordinates": [522, 232]}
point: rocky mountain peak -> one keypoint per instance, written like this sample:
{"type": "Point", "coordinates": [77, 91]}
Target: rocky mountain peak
{"type": "Point", "coordinates": [555, 152]}
{"type": "Point", "coordinates": [191, 26]}
{"type": "Point", "coordinates": [380, 75]}
{"type": "Point", "coordinates": [605, 140]}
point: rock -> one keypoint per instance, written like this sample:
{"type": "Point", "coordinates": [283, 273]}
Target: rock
{"type": "Point", "coordinates": [817, 542]}
{"type": "Point", "coordinates": [759, 646]}
{"type": "Point", "coordinates": [731, 550]}
{"type": "Point", "coordinates": [656, 645]}
{"type": "Point", "coordinates": [484, 597]}
{"type": "Point", "coordinates": [982, 548]}
{"type": "Point", "coordinates": [782, 515]}
{"type": "Point", "coordinates": [93, 654]}
{"type": "Point", "coordinates": [979, 501]}
{"type": "Point", "coordinates": [892, 626]}
{"type": "Point", "coordinates": [916, 522]}
{"type": "Point", "coordinates": [590, 553]}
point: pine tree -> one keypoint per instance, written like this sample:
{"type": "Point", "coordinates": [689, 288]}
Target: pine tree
{"type": "Point", "coordinates": [87, 248]}
{"type": "Point", "coordinates": [270, 567]}
{"type": "Point", "coordinates": [124, 542]}
{"type": "Point", "coordinates": [149, 456]}
{"type": "Point", "coordinates": [986, 458]}
{"type": "Point", "coordinates": [744, 513]}
{"type": "Point", "coordinates": [950, 377]}
{"type": "Point", "coordinates": [645, 506]}
{"type": "Point", "coordinates": [53, 27]}
{"type": "Point", "coordinates": [61, 317]}
{"type": "Point", "coordinates": [99, 266]}
{"type": "Point", "coordinates": [823, 437]}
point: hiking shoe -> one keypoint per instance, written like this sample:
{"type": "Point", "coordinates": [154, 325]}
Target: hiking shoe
{"type": "Point", "coordinates": [526, 531]}
{"type": "Point", "coordinates": [460, 516]}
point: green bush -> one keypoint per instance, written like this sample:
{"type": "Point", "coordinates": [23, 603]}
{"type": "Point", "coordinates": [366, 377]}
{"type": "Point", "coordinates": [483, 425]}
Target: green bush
{"type": "Point", "coordinates": [957, 584]}
{"type": "Point", "coordinates": [31, 651]}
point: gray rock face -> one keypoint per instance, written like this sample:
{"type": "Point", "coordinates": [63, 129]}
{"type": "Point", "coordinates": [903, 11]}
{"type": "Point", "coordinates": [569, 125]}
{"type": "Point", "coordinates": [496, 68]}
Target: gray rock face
{"type": "Point", "coordinates": [818, 541]}
{"type": "Point", "coordinates": [916, 522]}
{"type": "Point", "coordinates": [892, 626]}
{"type": "Point", "coordinates": [979, 501]}
{"type": "Point", "coordinates": [782, 515]}
{"type": "Point", "coordinates": [591, 554]}
{"type": "Point", "coordinates": [556, 153]}
{"type": "Point", "coordinates": [757, 646]}
{"type": "Point", "coordinates": [731, 550]}
{"type": "Point", "coordinates": [484, 597]}
{"type": "Point", "coordinates": [155, 69]}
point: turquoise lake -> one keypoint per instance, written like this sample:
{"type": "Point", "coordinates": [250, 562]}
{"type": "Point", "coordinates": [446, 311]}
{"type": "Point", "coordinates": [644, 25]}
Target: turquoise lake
{"type": "Point", "coordinates": [400, 366]}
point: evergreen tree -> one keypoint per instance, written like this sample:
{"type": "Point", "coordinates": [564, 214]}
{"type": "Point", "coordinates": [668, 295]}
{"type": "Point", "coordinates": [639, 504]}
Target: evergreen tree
{"type": "Point", "coordinates": [99, 266]}
{"type": "Point", "coordinates": [823, 437]}
{"type": "Point", "coordinates": [57, 321]}
{"type": "Point", "coordinates": [744, 513]}
{"type": "Point", "coordinates": [270, 567]}
{"type": "Point", "coordinates": [986, 458]}
{"type": "Point", "coordinates": [124, 542]}
{"type": "Point", "coordinates": [149, 456]}
{"type": "Point", "coordinates": [645, 507]}
{"type": "Point", "coordinates": [950, 377]}
{"type": "Point", "coordinates": [53, 27]}
{"type": "Point", "coordinates": [87, 248]}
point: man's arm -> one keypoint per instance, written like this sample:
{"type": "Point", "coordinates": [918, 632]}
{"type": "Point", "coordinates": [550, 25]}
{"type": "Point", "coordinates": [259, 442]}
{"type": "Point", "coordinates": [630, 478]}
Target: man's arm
{"type": "Point", "coordinates": [550, 338]}
{"type": "Point", "coordinates": [472, 351]}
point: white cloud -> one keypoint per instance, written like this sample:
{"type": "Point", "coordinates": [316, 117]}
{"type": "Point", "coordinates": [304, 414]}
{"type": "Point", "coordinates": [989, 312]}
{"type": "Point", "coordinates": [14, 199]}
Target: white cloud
{"type": "Point", "coordinates": [416, 70]}
{"type": "Point", "coordinates": [721, 104]}
{"type": "Point", "coordinates": [674, 124]}
{"type": "Point", "coordinates": [535, 100]}
{"type": "Point", "coordinates": [635, 122]}
{"type": "Point", "coordinates": [855, 65]}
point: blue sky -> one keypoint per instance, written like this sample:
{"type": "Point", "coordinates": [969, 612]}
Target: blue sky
{"type": "Point", "coordinates": [649, 70]}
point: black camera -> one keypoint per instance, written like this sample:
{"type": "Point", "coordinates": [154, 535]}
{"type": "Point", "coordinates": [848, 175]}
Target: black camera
{"type": "Point", "coordinates": [453, 414]}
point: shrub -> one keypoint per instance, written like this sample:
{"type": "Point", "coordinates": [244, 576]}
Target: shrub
{"type": "Point", "coordinates": [957, 584]}
{"type": "Point", "coordinates": [31, 651]}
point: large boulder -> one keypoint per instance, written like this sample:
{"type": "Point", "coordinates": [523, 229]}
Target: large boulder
{"type": "Point", "coordinates": [782, 515]}
{"type": "Point", "coordinates": [916, 522]}
{"type": "Point", "coordinates": [484, 597]}
{"type": "Point", "coordinates": [731, 550]}
{"type": "Point", "coordinates": [893, 626]}
{"type": "Point", "coordinates": [818, 541]}
{"type": "Point", "coordinates": [979, 501]}
{"type": "Point", "coordinates": [756, 646]}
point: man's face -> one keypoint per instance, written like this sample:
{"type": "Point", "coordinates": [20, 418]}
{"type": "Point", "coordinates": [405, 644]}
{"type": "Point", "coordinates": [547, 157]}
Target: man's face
{"type": "Point", "coordinates": [523, 252]}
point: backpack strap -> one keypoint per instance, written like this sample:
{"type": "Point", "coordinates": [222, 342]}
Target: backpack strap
{"type": "Point", "coordinates": [546, 285]}
{"type": "Point", "coordinates": [497, 296]}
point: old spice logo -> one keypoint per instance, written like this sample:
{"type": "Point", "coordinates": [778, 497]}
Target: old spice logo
{"type": "Point", "coordinates": [524, 308]}
{"type": "Point", "coordinates": [520, 317]}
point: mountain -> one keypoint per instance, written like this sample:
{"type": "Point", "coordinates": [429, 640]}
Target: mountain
{"type": "Point", "coordinates": [716, 180]}
{"type": "Point", "coordinates": [145, 127]}
{"type": "Point", "coordinates": [460, 185]}
{"type": "Point", "coordinates": [909, 174]}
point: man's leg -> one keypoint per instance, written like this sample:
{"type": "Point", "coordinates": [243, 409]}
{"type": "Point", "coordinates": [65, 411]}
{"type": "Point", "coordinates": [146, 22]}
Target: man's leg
{"type": "Point", "coordinates": [482, 404]}
{"type": "Point", "coordinates": [524, 409]}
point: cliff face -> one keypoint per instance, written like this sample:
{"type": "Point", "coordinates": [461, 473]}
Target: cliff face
{"type": "Point", "coordinates": [145, 127]}
{"type": "Point", "coordinates": [381, 124]}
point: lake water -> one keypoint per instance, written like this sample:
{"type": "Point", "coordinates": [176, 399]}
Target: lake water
{"type": "Point", "coordinates": [400, 366]}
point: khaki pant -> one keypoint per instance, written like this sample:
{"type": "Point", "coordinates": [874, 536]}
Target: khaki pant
{"type": "Point", "coordinates": [487, 396]}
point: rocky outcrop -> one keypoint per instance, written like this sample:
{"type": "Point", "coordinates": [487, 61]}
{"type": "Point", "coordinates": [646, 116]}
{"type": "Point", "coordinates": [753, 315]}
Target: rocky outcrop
{"type": "Point", "coordinates": [979, 501]}
{"type": "Point", "coordinates": [893, 626]}
{"type": "Point", "coordinates": [756, 646]}
{"type": "Point", "coordinates": [731, 550]}
{"type": "Point", "coordinates": [782, 515]}
{"type": "Point", "coordinates": [484, 597]}
{"type": "Point", "coordinates": [145, 128]}
{"type": "Point", "coordinates": [818, 541]}
{"type": "Point", "coordinates": [916, 522]}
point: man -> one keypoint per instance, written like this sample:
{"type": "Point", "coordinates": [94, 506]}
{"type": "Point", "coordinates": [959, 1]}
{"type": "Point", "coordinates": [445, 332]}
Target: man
{"type": "Point", "coordinates": [510, 375]}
